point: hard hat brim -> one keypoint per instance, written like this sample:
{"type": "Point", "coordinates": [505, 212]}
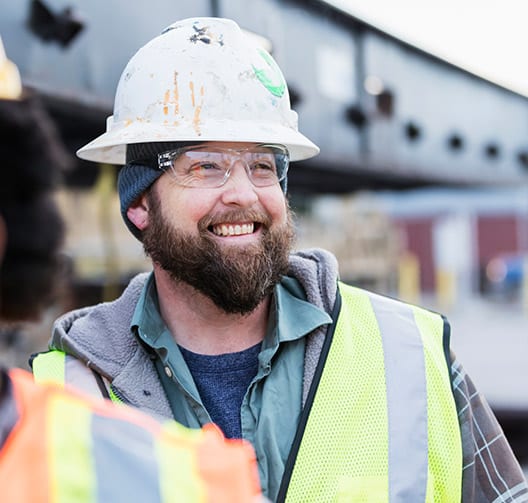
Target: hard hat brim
{"type": "Point", "coordinates": [110, 147]}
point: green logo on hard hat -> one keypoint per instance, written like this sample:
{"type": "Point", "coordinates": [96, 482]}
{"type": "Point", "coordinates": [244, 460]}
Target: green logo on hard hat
{"type": "Point", "coordinates": [270, 76]}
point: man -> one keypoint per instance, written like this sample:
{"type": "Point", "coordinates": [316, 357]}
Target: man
{"type": "Point", "coordinates": [345, 395]}
{"type": "Point", "coordinates": [56, 444]}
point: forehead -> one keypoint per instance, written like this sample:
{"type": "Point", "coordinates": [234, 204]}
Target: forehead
{"type": "Point", "coordinates": [228, 145]}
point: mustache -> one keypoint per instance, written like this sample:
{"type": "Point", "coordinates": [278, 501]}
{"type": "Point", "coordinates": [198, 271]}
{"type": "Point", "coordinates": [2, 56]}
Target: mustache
{"type": "Point", "coordinates": [235, 216]}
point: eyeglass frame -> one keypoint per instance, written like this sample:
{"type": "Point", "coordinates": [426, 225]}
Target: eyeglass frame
{"type": "Point", "coordinates": [166, 160]}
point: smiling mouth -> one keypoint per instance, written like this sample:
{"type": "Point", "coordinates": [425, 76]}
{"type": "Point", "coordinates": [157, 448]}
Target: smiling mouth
{"type": "Point", "coordinates": [226, 229]}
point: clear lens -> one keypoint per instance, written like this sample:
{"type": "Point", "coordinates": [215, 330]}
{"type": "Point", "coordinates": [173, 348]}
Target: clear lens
{"type": "Point", "coordinates": [210, 167]}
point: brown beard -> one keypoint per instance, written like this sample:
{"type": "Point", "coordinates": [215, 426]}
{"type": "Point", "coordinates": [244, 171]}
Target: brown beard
{"type": "Point", "coordinates": [235, 278]}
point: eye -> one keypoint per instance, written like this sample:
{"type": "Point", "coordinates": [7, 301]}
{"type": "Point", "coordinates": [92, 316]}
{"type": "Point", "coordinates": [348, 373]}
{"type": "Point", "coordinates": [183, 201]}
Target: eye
{"type": "Point", "coordinates": [263, 169]}
{"type": "Point", "coordinates": [203, 168]}
{"type": "Point", "coordinates": [265, 165]}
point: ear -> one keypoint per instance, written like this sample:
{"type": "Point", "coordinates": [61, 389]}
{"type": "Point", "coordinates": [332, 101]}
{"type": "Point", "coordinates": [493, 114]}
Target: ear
{"type": "Point", "coordinates": [138, 213]}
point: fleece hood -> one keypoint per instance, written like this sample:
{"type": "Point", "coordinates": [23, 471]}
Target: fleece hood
{"type": "Point", "coordinates": [100, 335]}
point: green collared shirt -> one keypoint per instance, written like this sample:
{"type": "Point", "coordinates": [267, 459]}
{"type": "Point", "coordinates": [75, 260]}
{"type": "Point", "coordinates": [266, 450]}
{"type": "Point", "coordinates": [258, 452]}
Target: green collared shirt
{"type": "Point", "coordinates": [273, 399]}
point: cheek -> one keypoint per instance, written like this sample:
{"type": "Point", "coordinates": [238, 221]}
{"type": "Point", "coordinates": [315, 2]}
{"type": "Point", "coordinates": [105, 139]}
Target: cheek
{"type": "Point", "coordinates": [189, 209]}
{"type": "Point", "coordinates": [276, 206]}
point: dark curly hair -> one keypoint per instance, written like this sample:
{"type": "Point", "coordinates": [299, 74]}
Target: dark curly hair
{"type": "Point", "coordinates": [33, 159]}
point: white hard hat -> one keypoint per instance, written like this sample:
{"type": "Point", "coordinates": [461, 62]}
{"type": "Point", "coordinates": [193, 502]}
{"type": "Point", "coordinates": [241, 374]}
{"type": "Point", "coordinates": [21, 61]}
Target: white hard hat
{"type": "Point", "coordinates": [202, 79]}
{"type": "Point", "coordinates": [10, 83]}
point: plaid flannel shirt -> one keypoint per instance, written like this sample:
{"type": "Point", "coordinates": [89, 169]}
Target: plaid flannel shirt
{"type": "Point", "coordinates": [491, 472]}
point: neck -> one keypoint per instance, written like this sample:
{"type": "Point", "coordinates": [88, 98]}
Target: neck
{"type": "Point", "coordinates": [198, 325]}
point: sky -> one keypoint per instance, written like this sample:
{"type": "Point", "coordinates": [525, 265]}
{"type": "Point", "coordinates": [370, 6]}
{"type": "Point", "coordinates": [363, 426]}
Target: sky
{"type": "Point", "coordinates": [486, 37]}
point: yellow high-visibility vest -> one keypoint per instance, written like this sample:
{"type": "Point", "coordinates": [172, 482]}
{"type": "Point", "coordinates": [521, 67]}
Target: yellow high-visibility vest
{"type": "Point", "coordinates": [380, 423]}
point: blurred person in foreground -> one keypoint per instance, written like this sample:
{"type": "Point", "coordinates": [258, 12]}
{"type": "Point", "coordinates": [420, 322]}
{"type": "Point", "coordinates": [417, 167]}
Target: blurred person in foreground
{"type": "Point", "coordinates": [57, 444]}
{"type": "Point", "coordinates": [345, 395]}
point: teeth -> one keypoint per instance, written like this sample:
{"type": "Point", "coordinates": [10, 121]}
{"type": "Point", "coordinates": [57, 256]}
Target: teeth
{"type": "Point", "coordinates": [232, 230]}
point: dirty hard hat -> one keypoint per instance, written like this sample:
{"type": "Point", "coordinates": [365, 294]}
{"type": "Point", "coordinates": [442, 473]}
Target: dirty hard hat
{"type": "Point", "coordinates": [201, 80]}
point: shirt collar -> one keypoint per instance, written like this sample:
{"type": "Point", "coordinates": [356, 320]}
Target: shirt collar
{"type": "Point", "coordinates": [147, 319]}
{"type": "Point", "coordinates": [296, 316]}
{"type": "Point", "coordinates": [293, 316]}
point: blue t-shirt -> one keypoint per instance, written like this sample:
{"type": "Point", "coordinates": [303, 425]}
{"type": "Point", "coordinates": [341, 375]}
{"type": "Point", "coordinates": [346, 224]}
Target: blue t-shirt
{"type": "Point", "coordinates": [222, 381]}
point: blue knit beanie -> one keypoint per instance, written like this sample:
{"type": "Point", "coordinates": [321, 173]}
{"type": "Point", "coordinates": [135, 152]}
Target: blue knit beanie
{"type": "Point", "coordinates": [141, 171]}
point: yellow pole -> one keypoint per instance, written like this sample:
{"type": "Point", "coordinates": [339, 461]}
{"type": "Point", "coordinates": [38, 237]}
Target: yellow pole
{"type": "Point", "coordinates": [446, 288]}
{"type": "Point", "coordinates": [409, 278]}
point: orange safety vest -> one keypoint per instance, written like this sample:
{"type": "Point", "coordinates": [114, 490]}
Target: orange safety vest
{"type": "Point", "coordinates": [68, 447]}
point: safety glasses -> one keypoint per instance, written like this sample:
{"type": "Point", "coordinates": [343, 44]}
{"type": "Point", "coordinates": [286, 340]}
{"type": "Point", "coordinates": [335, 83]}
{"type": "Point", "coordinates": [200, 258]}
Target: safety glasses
{"type": "Point", "coordinates": [209, 167]}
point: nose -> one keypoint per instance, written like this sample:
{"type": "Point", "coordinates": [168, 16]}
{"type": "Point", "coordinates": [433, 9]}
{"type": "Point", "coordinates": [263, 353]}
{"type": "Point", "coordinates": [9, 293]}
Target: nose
{"type": "Point", "coordinates": [238, 190]}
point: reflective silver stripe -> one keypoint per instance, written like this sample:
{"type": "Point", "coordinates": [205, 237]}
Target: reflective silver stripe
{"type": "Point", "coordinates": [121, 448]}
{"type": "Point", "coordinates": [406, 400]}
{"type": "Point", "coordinates": [77, 374]}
